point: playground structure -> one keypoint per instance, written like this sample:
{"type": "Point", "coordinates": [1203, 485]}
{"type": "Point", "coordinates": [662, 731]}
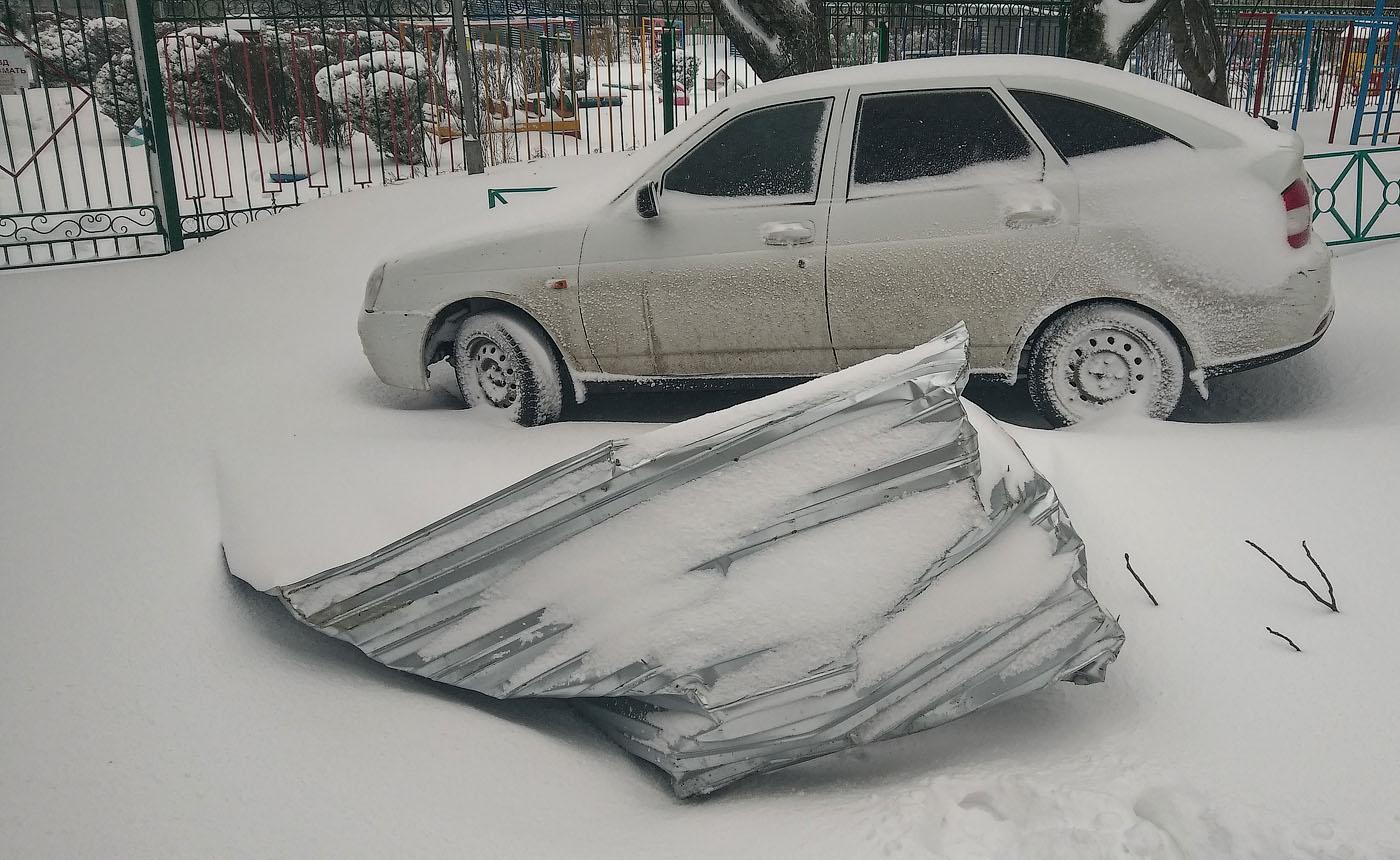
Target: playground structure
{"type": "Point", "coordinates": [1365, 69]}
{"type": "Point", "coordinates": [550, 110]}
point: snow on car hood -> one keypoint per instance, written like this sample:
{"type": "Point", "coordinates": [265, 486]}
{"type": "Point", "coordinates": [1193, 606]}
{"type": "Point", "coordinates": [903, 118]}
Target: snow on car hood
{"type": "Point", "coordinates": [493, 204]}
{"type": "Point", "coordinates": [856, 558]}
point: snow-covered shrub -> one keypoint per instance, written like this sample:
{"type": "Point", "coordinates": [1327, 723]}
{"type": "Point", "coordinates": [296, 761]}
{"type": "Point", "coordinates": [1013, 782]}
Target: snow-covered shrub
{"type": "Point", "coordinates": [202, 67]}
{"type": "Point", "coordinates": [684, 70]}
{"type": "Point", "coordinates": [382, 93]}
{"type": "Point", "coordinates": [603, 44]}
{"type": "Point", "coordinates": [117, 90]}
{"type": "Point", "coordinates": [287, 64]}
{"type": "Point", "coordinates": [60, 42]}
{"type": "Point", "coordinates": [80, 47]}
{"type": "Point", "coordinates": [105, 39]}
{"type": "Point", "coordinates": [575, 80]}
{"type": "Point", "coordinates": [499, 77]}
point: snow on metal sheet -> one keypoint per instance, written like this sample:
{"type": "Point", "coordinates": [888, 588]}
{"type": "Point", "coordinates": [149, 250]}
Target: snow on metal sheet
{"type": "Point", "coordinates": [853, 559]}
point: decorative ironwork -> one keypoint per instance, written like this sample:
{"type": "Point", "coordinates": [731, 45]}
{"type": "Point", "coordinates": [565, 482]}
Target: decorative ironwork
{"type": "Point", "coordinates": [1360, 200]}
{"type": "Point", "coordinates": [202, 225]}
{"type": "Point", "coordinates": [47, 238]}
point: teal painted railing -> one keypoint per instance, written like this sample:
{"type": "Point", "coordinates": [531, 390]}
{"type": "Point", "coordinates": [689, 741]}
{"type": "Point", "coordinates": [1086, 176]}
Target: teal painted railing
{"type": "Point", "coordinates": [1356, 194]}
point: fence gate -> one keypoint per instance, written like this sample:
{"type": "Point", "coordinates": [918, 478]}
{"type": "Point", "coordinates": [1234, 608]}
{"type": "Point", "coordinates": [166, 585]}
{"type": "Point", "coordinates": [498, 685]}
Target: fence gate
{"type": "Point", "coordinates": [74, 181]}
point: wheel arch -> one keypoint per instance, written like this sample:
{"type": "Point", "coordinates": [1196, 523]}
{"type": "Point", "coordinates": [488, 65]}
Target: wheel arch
{"type": "Point", "coordinates": [442, 332]}
{"type": "Point", "coordinates": [1026, 344]}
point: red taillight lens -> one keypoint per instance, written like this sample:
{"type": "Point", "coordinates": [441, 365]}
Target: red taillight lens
{"type": "Point", "coordinates": [1297, 207]}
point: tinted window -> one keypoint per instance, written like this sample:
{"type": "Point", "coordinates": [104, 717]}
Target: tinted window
{"type": "Point", "coordinates": [903, 136]}
{"type": "Point", "coordinates": [769, 152]}
{"type": "Point", "coordinates": [1079, 128]}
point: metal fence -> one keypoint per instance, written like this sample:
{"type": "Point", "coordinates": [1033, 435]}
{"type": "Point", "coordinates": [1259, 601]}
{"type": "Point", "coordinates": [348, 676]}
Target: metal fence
{"type": "Point", "coordinates": [269, 103]}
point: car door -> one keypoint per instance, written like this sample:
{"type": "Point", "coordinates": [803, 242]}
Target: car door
{"type": "Point", "coordinates": [946, 209]}
{"type": "Point", "coordinates": [728, 278]}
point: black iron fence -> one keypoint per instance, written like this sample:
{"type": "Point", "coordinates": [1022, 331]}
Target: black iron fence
{"type": "Point", "coordinates": [269, 103]}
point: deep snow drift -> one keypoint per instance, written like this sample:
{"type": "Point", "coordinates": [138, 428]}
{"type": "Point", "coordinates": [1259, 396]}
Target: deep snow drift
{"type": "Point", "coordinates": [155, 707]}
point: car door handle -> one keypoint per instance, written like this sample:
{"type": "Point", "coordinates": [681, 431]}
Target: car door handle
{"type": "Point", "coordinates": [1032, 217]}
{"type": "Point", "coordinates": [788, 232]}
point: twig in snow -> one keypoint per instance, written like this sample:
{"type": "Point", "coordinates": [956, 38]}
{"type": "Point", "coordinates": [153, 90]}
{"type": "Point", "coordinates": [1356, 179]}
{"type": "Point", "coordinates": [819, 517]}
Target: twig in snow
{"type": "Point", "coordinates": [1140, 583]}
{"type": "Point", "coordinates": [1330, 601]}
{"type": "Point", "coordinates": [1285, 638]}
{"type": "Point", "coordinates": [1331, 595]}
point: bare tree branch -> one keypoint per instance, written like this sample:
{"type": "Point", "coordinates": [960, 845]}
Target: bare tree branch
{"type": "Point", "coordinates": [1331, 595]}
{"type": "Point", "coordinates": [1140, 583]}
{"type": "Point", "coordinates": [1285, 638]}
{"type": "Point", "coordinates": [1330, 601]}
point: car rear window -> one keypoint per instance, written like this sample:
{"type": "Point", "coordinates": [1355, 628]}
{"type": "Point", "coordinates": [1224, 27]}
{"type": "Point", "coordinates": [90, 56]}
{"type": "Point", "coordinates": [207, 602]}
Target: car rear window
{"type": "Point", "coordinates": [1078, 128]}
{"type": "Point", "coordinates": [907, 136]}
{"type": "Point", "coordinates": [770, 152]}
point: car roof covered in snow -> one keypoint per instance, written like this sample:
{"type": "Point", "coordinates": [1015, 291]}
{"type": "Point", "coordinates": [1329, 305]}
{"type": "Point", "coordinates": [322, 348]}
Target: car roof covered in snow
{"type": "Point", "coordinates": [1194, 119]}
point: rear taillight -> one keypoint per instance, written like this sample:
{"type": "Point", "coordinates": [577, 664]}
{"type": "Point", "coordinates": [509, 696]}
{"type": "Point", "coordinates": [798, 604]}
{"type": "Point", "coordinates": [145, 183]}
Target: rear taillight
{"type": "Point", "coordinates": [1297, 207]}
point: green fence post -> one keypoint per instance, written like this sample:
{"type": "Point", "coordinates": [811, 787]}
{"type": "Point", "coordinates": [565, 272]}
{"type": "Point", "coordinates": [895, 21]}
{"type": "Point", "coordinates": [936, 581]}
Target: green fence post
{"type": "Point", "coordinates": [544, 70]}
{"type": "Point", "coordinates": [156, 128]}
{"type": "Point", "coordinates": [668, 77]}
{"type": "Point", "coordinates": [884, 53]}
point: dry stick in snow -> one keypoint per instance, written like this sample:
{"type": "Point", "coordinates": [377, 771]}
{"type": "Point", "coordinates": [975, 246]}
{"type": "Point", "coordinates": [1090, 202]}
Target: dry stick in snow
{"type": "Point", "coordinates": [1330, 601]}
{"type": "Point", "coordinates": [1285, 638]}
{"type": "Point", "coordinates": [1140, 583]}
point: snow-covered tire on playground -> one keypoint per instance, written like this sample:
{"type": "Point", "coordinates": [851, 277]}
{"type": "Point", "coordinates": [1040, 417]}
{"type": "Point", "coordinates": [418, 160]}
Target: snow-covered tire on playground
{"type": "Point", "coordinates": [505, 364]}
{"type": "Point", "coordinates": [1101, 353]}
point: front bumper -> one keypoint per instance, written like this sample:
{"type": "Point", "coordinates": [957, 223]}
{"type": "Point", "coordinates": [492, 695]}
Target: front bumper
{"type": "Point", "coordinates": [393, 343]}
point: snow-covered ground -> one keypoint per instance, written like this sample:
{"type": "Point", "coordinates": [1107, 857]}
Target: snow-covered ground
{"type": "Point", "coordinates": [154, 706]}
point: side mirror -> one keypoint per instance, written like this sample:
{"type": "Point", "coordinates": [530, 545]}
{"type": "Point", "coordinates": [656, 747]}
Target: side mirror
{"type": "Point", "coordinates": [646, 200]}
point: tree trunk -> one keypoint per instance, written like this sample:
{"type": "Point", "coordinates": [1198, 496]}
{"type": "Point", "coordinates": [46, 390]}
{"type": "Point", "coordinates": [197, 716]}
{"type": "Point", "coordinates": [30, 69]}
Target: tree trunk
{"type": "Point", "coordinates": [778, 38]}
{"type": "Point", "coordinates": [1199, 51]}
{"type": "Point", "coordinates": [1191, 24]}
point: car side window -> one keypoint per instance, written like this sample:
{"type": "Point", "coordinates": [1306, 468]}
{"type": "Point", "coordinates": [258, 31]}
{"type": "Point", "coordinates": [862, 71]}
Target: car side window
{"type": "Point", "coordinates": [1078, 128]}
{"type": "Point", "coordinates": [769, 152]}
{"type": "Point", "coordinates": [904, 137]}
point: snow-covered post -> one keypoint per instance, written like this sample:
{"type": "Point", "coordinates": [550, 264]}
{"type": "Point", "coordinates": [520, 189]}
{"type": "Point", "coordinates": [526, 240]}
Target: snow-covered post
{"type": "Point", "coordinates": [466, 92]}
{"type": "Point", "coordinates": [141, 16]}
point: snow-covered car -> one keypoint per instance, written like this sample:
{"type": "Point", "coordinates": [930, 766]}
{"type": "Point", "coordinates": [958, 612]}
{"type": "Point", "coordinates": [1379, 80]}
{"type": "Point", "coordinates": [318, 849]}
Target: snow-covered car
{"type": "Point", "coordinates": [1107, 236]}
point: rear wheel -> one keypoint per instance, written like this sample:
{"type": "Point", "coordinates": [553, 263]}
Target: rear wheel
{"type": "Point", "coordinates": [505, 365]}
{"type": "Point", "coordinates": [1105, 353]}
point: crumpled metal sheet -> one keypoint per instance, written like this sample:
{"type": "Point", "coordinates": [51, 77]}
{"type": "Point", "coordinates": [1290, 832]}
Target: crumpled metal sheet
{"type": "Point", "coordinates": [396, 603]}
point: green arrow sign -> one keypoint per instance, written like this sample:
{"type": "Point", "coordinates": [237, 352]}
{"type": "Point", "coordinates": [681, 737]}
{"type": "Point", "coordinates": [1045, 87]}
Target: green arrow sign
{"type": "Point", "coordinates": [498, 195]}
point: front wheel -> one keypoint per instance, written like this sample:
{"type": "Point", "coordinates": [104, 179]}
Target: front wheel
{"type": "Point", "coordinates": [1103, 353]}
{"type": "Point", "coordinates": [505, 365]}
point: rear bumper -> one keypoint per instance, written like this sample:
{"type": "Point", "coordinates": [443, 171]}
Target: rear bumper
{"type": "Point", "coordinates": [393, 343]}
{"type": "Point", "coordinates": [1270, 357]}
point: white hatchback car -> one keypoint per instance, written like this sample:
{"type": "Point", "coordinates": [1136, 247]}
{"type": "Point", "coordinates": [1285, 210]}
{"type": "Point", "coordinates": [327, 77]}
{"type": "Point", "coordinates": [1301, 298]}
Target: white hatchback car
{"type": "Point", "coordinates": [1106, 235]}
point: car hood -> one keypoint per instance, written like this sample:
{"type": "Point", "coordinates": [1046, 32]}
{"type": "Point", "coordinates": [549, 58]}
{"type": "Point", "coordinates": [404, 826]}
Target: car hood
{"type": "Point", "coordinates": [515, 200]}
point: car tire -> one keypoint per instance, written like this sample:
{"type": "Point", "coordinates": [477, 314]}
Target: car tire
{"type": "Point", "coordinates": [505, 365]}
{"type": "Point", "coordinates": [1101, 353]}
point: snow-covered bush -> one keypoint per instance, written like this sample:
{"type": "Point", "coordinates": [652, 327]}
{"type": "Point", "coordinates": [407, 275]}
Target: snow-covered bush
{"type": "Point", "coordinates": [603, 44]}
{"type": "Point", "coordinates": [61, 43]}
{"type": "Point", "coordinates": [80, 47]}
{"type": "Point", "coordinates": [105, 39]}
{"type": "Point", "coordinates": [117, 90]}
{"type": "Point", "coordinates": [202, 67]}
{"type": "Point", "coordinates": [575, 80]}
{"type": "Point", "coordinates": [684, 70]}
{"type": "Point", "coordinates": [383, 94]}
